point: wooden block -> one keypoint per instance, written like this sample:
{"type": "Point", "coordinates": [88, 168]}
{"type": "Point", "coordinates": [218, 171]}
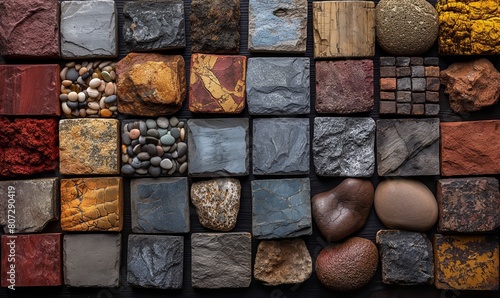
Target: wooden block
{"type": "Point", "coordinates": [344, 29]}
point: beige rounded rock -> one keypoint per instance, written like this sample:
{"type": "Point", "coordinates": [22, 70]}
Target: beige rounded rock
{"type": "Point", "coordinates": [406, 205]}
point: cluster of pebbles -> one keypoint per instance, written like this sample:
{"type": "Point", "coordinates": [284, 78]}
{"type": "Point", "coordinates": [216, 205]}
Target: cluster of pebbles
{"type": "Point", "coordinates": [88, 89]}
{"type": "Point", "coordinates": [154, 147]}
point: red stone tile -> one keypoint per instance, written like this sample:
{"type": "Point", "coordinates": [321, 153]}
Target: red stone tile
{"type": "Point", "coordinates": [388, 84]}
{"type": "Point", "coordinates": [387, 96]}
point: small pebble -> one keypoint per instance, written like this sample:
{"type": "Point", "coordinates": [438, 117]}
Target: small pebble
{"type": "Point", "coordinates": [106, 113]}
{"type": "Point", "coordinates": [130, 151]}
{"type": "Point", "coordinates": [145, 164]}
{"type": "Point", "coordinates": [106, 76]}
{"type": "Point", "coordinates": [134, 134]}
{"type": "Point", "coordinates": [72, 74]}
{"type": "Point", "coordinates": [83, 113]}
{"type": "Point", "coordinates": [174, 121]}
{"type": "Point", "coordinates": [167, 140]}
{"type": "Point", "coordinates": [136, 163]}
{"type": "Point", "coordinates": [142, 140]}
{"type": "Point", "coordinates": [92, 92]}
{"type": "Point", "coordinates": [63, 97]}
{"type": "Point", "coordinates": [174, 154]}
{"type": "Point", "coordinates": [181, 124]}
{"type": "Point", "coordinates": [143, 156]}
{"type": "Point", "coordinates": [173, 148]}
{"type": "Point", "coordinates": [73, 96]}
{"type": "Point", "coordinates": [128, 169]}
{"type": "Point", "coordinates": [93, 105]}
{"type": "Point", "coordinates": [150, 149]}
{"type": "Point", "coordinates": [141, 171]}
{"type": "Point", "coordinates": [159, 150]}
{"type": "Point", "coordinates": [143, 128]}
{"type": "Point", "coordinates": [166, 164]}
{"type": "Point", "coordinates": [94, 83]}
{"type": "Point", "coordinates": [183, 168]}
{"type": "Point", "coordinates": [110, 89]}
{"type": "Point", "coordinates": [162, 131]}
{"type": "Point", "coordinates": [154, 171]}
{"type": "Point", "coordinates": [151, 124]}
{"type": "Point", "coordinates": [63, 73]}
{"type": "Point", "coordinates": [81, 97]}
{"type": "Point", "coordinates": [72, 105]}
{"type": "Point", "coordinates": [70, 64]}
{"type": "Point", "coordinates": [183, 134]}
{"type": "Point", "coordinates": [110, 99]}
{"type": "Point", "coordinates": [82, 71]}
{"type": "Point", "coordinates": [137, 149]}
{"type": "Point", "coordinates": [125, 158]}
{"type": "Point", "coordinates": [155, 161]}
{"type": "Point", "coordinates": [126, 138]}
{"type": "Point", "coordinates": [162, 122]}
{"type": "Point", "coordinates": [153, 133]}
{"type": "Point", "coordinates": [175, 132]}
{"type": "Point", "coordinates": [151, 140]}
{"type": "Point", "coordinates": [65, 108]}
{"type": "Point", "coordinates": [182, 159]}
{"type": "Point", "coordinates": [181, 149]}
{"type": "Point", "coordinates": [172, 170]}
{"type": "Point", "coordinates": [91, 111]}
{"type": "Point", "coordinates": [66, 83]}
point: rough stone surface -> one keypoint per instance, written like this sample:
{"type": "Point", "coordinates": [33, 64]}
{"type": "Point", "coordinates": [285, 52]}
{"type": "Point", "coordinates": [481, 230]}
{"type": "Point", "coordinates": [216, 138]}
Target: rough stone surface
{"type": "Point", "coordinates": [155, 261]}
{"type": "Point", "coordinates": [217, 202]}
{"type": "Point", "coordinates": [280, 146]}
{"type": "Point", "coordinates": [30, 214]}
{"type": "Point", "coordinates": [215, 26]}
{"type": "Point", "coordinates": [98, 269]}
{"type": "Point", "coordinates": [344, 147]}
{"type": "Point", "coordinates": [38, 260]}
{"type": "Point", "coordinates": [218, 147]}
{"type": "Point", "coordinates": [468, 205]}
{"type": "Point", "coordinates": [28, 146]}
{"type": "Point", "coordinates": [89, 146]}
{"type": "Point", "coordinates": [278, 86]}
{"type": "Point", "coordinates": [92, 204]}
{"type": "Point", "coordinates": [408, 147]}
{"type": "Point", "coordinates": [277, 26]}
{"type": "Point", "coordinates": [471, 85]}
{"type": "Point", "coordinates": [407, 257]}
{"type": "Point", "coordinates": [160, 205]}
{"type": "Point", "coordinates": [470, 148]}
{"type": "Point", "coordinates": [154, 25]}
{"type": "Point", "coordinates": [282, 262]}
{"type": "Point", "coordinates": [344, 87]}
{"type": "Point", "coordinates": [89, 29]}
{"type": "Point", "coordinates": [150, 84]}
{"type": "Point", "coordinates": [217, 84]}
{"type": "Point", "coordinates": [466, 262]}
{"type": "Point", "coordinates": [344, 209]}
{"type": "Point", "coordinates": [221, 260]}
{"type": "Point", "coordinates": [281, 208]}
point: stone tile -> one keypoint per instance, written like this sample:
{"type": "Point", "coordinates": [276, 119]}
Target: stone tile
{"type": "Point", "coordinates": [403, 108]}
{"type": "Point", "coordinates": [221, 260]}
{"type": "Point", "coordinates": [387, 61]}
{"type": "Point", "coordinates": [416, 61]}
{"type": "Point", "coordinates": [160, 205]}
{"type": "Point", "coordinates": [98, 269]}
{"type": "Point", "coordinates": [155, 261]}
{"type": "Point", "coordinates": [404, 71]}
{"type": "Point", "coordinates": [418, 84]}
{"type": "Point", "coordinates": [432, 84]}
{"type": "Point", "coordinates": [417, 71]}
{"type": "Point", "coordinates": [432, 71]}
{"type": "Point", "coordinates": [404, 84]}
{"type": "Point", "coordinates": [431, 61]}
{"type": "Point", "coordinates": [431, 96]}
{"type": "Point", "coordinates": [387, 71]}
{"type": "Point", "coordinates": [218, 147]}
{"type": "Point", "coordinates": [431, 109]}
{"type": "Point", "coordinates": [278, 86]}
{"type": "Point", "coordinates": [466, 262]}
{"type": "Point", "coordinates": [418, 97]}
{"type": "Point", "coordinates": [403, 61]}
{"type": "Point", "coordinates": [89, 146]}
{"type": "Point", "coordinates": [280, 146]}
{"type": "Point", "coordinates": [344, 147]}
{"type": "Point", "coordinates": [37, 260]}
{"type": "Point", "coordinates": [30, 215]}
{"type": "Point", "coordinates": [403, 96]}
{"type": "Point", "coordinates": [265, 16]}
{"type": "Point", "coordinates": [92, 204]}
{"type": "Point", "coordinates": [387, 95]}
{"type": "Point", "coordinates": [281, 208]}
{"type": "Point", "coordinates": [387, 107]}
{"type": "Point", "coordinates": [89, 29]}
{"type": "Point", "coordinates": [217, 84]}
{"type": "Point", "coordinates": [388, 84]}
{"type": "Point", "coordinates": [418, 109]}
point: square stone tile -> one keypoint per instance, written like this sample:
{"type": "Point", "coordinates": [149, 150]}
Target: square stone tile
{"type": "Point", "coordinates": [281, 208]}
{"type": "Point", "coordinates": [221, 260]}
{"type": "Point", "coordinates": [278, 86]}
{"type": "Point", "coordinates": [218, 147]}
{"type": "Point", "coordinates": [265, 16]}
{"type": "Point", "coordinates": [160, 205]}
{"type": "Point", "coordinates": [155, 261]}
{"type": "Point", "coordinates": [280, 146]}
{"type": "Point", "coordinates": [344, 146]}
{"type": "Point", "coordinates": [89, 146]}
{"type": "Point", "coordinates": [92, 260]}
{"type": "Point", "coordinates": [92, 204]}
{"type": "Point", "coordinates": [89, 29]}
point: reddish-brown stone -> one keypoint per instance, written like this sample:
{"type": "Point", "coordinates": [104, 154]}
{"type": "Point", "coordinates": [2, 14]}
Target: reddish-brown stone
{"type": "Point", "coordinates": [387, 107]}
{"type": "Point", "coordinates": [388, 84]}
{"type": "Point", "coordinates": [37, 259]}
{"type": "Point", "coordinates": [387, 96]}
{"type": "Point", "coordinates": [29, 90]}
{"type": "Point", "coordinates": [470, 148]}
{"type": "Point", "coordinates": [28, 146]}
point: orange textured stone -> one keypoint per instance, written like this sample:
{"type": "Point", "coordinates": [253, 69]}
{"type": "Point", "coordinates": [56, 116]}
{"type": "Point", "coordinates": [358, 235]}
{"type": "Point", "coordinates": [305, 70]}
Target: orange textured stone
{"type": "Point", "coordinates": [388, 84]}
{"type": "Point", "coordinates": [466, 262]}
{"type": "Point", "coordinates": [92, 204]}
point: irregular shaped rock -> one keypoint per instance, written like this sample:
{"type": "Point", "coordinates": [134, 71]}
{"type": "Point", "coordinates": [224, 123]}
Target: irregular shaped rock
{"type": "Point", "coordinates": [468, 205]}
{"type": "Point", "coordinates": [344, 209]}
{"type": "Point", "coordinates": [89, 29]}
{"type": "Point", "coordinates": [154, 25]}
{"type": "Point", "coordinates": [98, 269]}
{"type": "Point", "coordinates": [470, 148]}
{"type": "Point", "coordinates": [280, 146]}
{"type": "Point", "coordinates": [471, 85]}
{"type": "Point", "coordinates": [282, 262]}
{"type": "Point", "coordinates": [218, 147]}
{"type": "Point", "coordinates": [281, 208]}
{"type": "Point", "coordinates": [407, 257]}
{"type": "Point", "coordinates": [221, 260]}
{"type": "Point", "coordinates": [344, 147]}
{"type": "Point", "coordinates": [31, 215]}
{"type": "Point", "coordinates": [150, 84]}
{"type": "Point", "coordinates": [278, 86]}
{"type": "Point", "coordinates": [217, 202]}
{"type": "Point", "coordinates": [155, 261]}
{"type": "Point", "coordinates": [89, 146]}
{"type": "Point", "coordinates": [408, 147]}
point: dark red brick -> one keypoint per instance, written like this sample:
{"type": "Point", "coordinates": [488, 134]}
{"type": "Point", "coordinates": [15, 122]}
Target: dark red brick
{"type": "Point", "coordinates": [418, 109]}
{"type": "Point", "coordinates": [387, 95]}
{"type": "Point", "coordinates": [387, 71]}
{"type": "Point", "coordinates": [432, 96]}
{"type": "Point", "coordinates": [432, 84]}
{"type": "Point", "coordinates": [403, 72]}
{"type": "Point", "coordinates": [418, 97]}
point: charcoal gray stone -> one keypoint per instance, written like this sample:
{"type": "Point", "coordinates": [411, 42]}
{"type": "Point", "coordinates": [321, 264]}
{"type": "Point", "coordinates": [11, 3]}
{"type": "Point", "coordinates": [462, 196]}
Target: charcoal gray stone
{"type": "Point", "coordinates": [281, 208]}
{"type": "Point", "coordinates": [418, 84]}
{"type": "Point", "coordinates": [160, 205]}
{"type": "Point", "coordinates": [280, 146]}
{"type": "Point", "coordinates": [221, 260]}
{"type": "Point", "coordinates": [404, 84]}
{"type": "Point", "coordinates": [344, 146]}
{"type": "Point", "coordinates": [402, 61]}
{"type": "Point", "coordinates": [155, 261]}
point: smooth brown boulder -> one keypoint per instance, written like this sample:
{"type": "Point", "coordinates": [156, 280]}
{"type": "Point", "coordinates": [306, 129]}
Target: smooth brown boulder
{"type": "Point", "coordinates": [344, 209]}
{"type": "Point", "coordinates": [348, 266]}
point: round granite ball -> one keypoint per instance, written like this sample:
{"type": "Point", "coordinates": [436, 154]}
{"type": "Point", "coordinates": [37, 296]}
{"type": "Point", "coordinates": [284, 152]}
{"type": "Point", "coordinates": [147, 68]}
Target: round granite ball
{"type": "Point", "coordinates": [406, 27]}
